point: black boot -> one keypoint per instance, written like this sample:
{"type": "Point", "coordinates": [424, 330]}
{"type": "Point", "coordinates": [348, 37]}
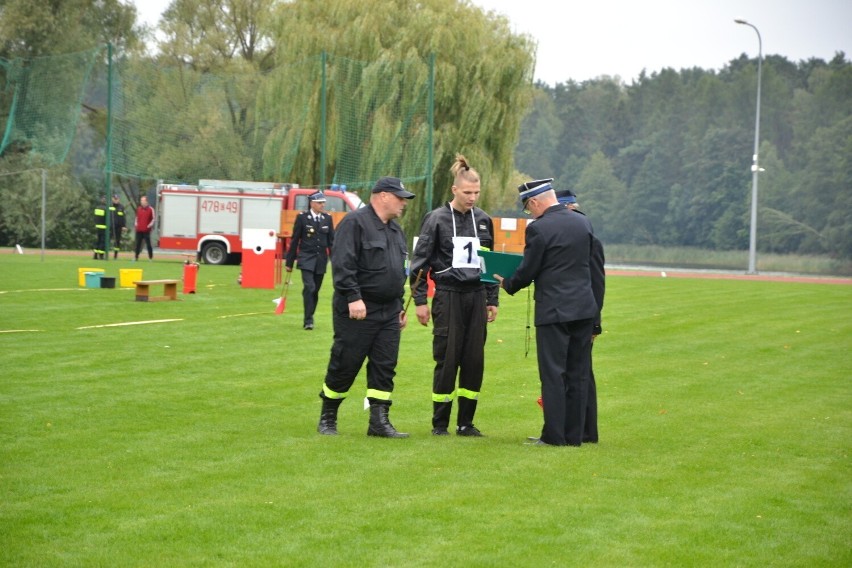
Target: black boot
{"type": "Point", "coordinates": [467, 409]}
{"type": "Point", "coordinates": [328, 417]}
{"type": "Point", "coordinates": [380, 425]}
{"type": "Point", "coordinates": [441, 417]}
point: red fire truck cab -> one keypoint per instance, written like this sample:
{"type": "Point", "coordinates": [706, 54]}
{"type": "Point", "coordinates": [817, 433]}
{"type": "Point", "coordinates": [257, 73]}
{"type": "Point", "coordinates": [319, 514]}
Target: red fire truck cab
{"type": "Point", "coordinates": [209, 218]}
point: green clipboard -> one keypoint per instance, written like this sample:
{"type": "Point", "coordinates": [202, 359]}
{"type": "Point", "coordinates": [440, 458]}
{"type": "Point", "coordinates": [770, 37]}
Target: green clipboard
{"type": "Point", "coordinates": [503, 263]}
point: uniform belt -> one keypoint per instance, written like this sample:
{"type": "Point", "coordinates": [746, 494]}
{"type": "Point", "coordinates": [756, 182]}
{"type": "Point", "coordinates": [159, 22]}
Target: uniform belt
{"type": "Point", "coordinates": [459, 287]}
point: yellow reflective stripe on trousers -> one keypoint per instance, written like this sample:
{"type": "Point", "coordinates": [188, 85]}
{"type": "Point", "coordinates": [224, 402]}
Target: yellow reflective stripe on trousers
{"type": "Point", "coordinates": [378, 395]}
{"type": "Point", "coordinates": [472, 395]}
{"type": "Point", "coordinates": [443, 397]}
{"type": "Point", "coordinates": [333, 395]}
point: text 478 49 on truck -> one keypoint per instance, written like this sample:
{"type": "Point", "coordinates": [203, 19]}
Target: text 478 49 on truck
{"type": "Point", "coordinates": [209, 217]}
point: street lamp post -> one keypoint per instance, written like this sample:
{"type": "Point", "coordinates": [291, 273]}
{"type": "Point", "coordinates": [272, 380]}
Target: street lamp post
{"type": "Point", "coordinates": [755, 166]}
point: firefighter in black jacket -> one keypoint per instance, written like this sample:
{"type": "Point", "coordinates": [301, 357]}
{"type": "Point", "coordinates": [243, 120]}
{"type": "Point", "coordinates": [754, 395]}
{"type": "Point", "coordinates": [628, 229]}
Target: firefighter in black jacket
{"type": "Point", "coordinates": [118, 223]}
{"type": "Point", "coordinates": [99, 250]}
{"type": "Point", "coordinates": [446, 250]}
{"type": "Point", "coordinates": [369, 284]}
{"type": "Point", "coordinates": [313, 237]}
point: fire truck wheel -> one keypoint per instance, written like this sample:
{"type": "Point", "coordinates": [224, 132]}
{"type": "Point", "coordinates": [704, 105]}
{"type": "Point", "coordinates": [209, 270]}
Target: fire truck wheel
{"type": "Point", "coordinates": [214, 253]}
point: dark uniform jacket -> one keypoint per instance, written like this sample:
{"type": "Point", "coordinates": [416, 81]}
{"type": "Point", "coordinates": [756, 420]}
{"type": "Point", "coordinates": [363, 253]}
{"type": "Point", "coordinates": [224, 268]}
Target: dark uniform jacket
{"type": "Point", "coordinates": [598, 280]}
{"type": "Point", "coordinates": [596, 266]}
{"type": "Point", "coordinates": [369, 258]}
{"type": "Point", "coordinates": [100, 216]}
{"type": "Point", "coordinates": [434, 252]}
{"type": "Point", "coordinates": [117, 218]}
{"type": "Point", "coordinates": [557, 256]}
{"type": "Point", "coordinates": [311, 242]}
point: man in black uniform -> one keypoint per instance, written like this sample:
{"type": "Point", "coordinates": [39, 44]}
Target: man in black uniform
{"type": "Point", "coordinates": [446, 250]}
{"type": "Point", "coordinates": [313, 236]}
{"type": "Point", "coordinates": [99, 250]}
{"type": "Point", "coordinates": [117, 223]}
{"type": "Point", "coordinates": [557, 257]}
{"type": "Point", "coordinates": [369, 285]}
{"type": "Point", "coordinates": [590, 427]}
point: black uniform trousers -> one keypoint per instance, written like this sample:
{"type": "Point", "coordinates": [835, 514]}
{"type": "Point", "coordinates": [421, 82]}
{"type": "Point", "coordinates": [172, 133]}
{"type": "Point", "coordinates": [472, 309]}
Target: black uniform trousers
{"type": "Point", "coordinates": [564, 359]}
{"type": "Point", "coordinates": [116, 238]}
{"type": "Point", "coordinates": [590, 429]}
{"type": "Point", "coordinates": [146, 236]}
{"type": "Point", "coordinates": [100, 248]}
{"type": "Point", "coordinates": [376, 337]}
{"type": "Point", "coordinates": [458, 347]}
{"type": "Point", "coordinates": [311, 282]}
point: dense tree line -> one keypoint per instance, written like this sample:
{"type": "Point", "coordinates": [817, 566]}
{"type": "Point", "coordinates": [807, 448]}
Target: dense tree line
{"type": "Point", "coordinates": [32, 31]}
{"type": "Point", "coordinates": [482, 89]}
{"type": "Point", "coordinates": [667, 159]}
{"type": "Point", "coordinates": [664, 160]}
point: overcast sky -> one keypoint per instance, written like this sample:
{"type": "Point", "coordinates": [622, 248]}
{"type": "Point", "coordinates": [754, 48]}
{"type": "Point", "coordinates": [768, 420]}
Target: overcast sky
{"type": "Point", "coordinates": [584, 39]}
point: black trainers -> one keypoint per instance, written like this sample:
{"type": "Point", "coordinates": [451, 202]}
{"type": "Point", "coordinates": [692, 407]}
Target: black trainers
{"type": "Point", "coordinates": [440, 432]}
{"type": "Point", "coordinates": [468, 431]}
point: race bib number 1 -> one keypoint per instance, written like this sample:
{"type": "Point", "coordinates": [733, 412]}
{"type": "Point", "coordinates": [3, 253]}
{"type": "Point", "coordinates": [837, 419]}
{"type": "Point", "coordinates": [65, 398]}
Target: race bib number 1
{"type": "Point", "coordinates": [465, 252]}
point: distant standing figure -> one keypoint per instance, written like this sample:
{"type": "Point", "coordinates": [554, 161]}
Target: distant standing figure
{"type": "Point", "coordinates": [118, 223]}
{"type": "Point", "coordinates": [144, 224]}
{"type": "Point", "coordinates": [99, 250]}
{"type": "Point", "coordinates": [313, 236]}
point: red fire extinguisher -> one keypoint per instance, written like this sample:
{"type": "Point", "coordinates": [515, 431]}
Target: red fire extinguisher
{"type": "Point", "coordinates": [190, 275]}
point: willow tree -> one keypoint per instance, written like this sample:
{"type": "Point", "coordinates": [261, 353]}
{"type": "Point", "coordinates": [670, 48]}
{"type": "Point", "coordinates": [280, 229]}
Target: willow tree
{"type": "Point", "coordinates": [482, 87]}
{"type": "Point", "coordinates": [189, 112]}
{"type": "Point", "coordinates": [36, 29]}
{"type": "Point", "coordinates": [211, 35]}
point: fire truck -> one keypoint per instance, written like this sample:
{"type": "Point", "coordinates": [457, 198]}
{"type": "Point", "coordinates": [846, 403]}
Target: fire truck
{"type": "Point", "coordinates": [209, 218]}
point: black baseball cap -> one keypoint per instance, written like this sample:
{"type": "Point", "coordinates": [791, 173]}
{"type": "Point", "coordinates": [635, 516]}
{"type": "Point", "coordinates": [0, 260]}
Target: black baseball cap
{"type": "Point", "coordinates": [392, 185]}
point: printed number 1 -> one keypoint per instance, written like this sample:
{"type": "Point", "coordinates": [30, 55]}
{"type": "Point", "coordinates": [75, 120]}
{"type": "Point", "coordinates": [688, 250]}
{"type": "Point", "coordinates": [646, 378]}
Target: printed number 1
{"type": "Point", "coordinates": [469, 247]}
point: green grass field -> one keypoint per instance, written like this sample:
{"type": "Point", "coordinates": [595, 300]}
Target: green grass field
{"type": "Point", "coordinates": [725, 418]}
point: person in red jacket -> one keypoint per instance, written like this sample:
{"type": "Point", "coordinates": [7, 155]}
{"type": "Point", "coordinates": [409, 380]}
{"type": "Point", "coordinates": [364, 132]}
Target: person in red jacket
{"type": "Point", "coordinates": [144, 224]}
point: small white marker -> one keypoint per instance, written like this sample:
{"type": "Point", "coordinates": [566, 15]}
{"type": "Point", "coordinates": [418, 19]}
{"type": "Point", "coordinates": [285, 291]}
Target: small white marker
{"type": "Point", "coordinates": [663, 274]}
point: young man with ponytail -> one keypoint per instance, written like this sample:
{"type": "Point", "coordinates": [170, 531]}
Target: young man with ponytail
{"type": "Point", "coordinates": [447, 252]}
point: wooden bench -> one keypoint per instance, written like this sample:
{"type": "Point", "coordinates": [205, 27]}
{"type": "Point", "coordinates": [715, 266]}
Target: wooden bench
{"type": "Point", "coordinates": [143, 289]}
